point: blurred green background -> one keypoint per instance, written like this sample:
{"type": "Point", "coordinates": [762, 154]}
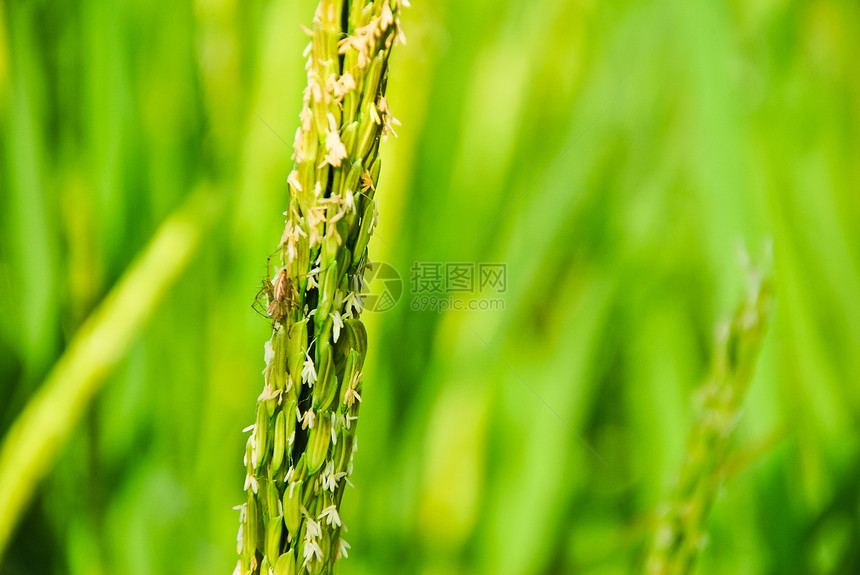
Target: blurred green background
{"type": "Point", "coordinates": [613, 155]}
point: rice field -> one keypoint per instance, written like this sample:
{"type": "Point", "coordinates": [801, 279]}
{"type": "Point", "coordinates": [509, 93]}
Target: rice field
{"type": "Point", "coordinates": [567, 222]}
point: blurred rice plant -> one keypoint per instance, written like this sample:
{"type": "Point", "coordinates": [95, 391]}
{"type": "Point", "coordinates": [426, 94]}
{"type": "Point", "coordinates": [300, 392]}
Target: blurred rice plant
{"type": "Point", "coordinates": [680, 533]}
{"type": "Point", "coordinates": [612, 155]}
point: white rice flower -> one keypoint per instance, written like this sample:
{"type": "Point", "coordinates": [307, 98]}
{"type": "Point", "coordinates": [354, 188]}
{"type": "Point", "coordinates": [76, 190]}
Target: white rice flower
{"type": "Point", "coordinates": [342, 549]}
{"type": "Point", "coordinates": [386, 19]}
{"type": "Point", "coordinates": [335, 150]}
{"type": "Point", "coordinates": [293, 180]}
{"type": "Point", "coordinates": [313, 530]}
{"type": "Point", "coordinates": [297, 146]}
{"type": "Point", "coordinates": [308, 419]}
{"type": "Point", "coordinates": [312, 278]}
{"type": "Point", "coordinates": [328, 478]}
{"type": "Point", "coordinates": [330, 515]}
{"type": "Point", "coordinates": [343, 86]}
{"type": "Point", "coordinates": [334, 428]}
{"type": "Point", "coordinates": [348, 419]}
{"type": "Point", "coordinates": [251, 481]}
{"type": "Point", "coordinates": [309, 372]}
{"type": "Point", "coordinates": [337, 325]}
{"type": "Point", "coordinates": [269, 353]}
{"type": "Point", "coordinates": [349, 201]}
{"type": "Point", "coordinates": [312, 551]}
{"type": "Point", "coordinates": [353, 302]}
{"type": "Point", "coordinates": [351, 395]}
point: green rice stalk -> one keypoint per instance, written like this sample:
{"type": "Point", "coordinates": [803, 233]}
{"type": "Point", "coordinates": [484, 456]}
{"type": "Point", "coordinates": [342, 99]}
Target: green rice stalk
{"type": "Point", "coordinates": [680, 534]}
{"type": "Point", "coordinates": [299, 454]}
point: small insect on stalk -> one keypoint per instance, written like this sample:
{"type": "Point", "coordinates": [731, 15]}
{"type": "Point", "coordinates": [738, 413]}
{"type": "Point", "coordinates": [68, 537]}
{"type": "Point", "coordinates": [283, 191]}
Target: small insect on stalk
{"type": "Point", "coordinates": [265, 294]}
{"type": "Point", "coordinates": [282, 295]}
{"type": "Point", "coordinates": [275, 295]}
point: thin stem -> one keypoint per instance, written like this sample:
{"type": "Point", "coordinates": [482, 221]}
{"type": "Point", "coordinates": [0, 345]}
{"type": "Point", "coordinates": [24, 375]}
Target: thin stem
{"type": "Point", "coordinates": [29, 450]}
